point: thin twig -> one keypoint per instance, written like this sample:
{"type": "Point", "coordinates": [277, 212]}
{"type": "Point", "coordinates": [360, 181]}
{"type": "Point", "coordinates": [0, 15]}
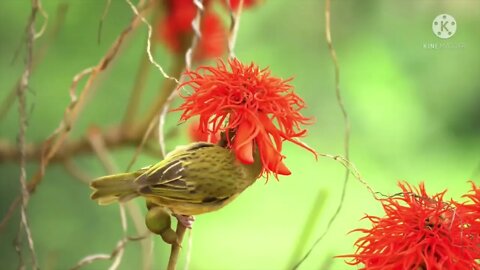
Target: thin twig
{"type": "Point", "coordinates": [149, 51]}
{"type": "Point", "coordinates": [37, 8]}
{"type": "Point", "coordinates": [162, 102]}
{"type": "Point", "coordinates": [346, 120]}
{"type": "Point", "coordinates": [45, 20]}
{"type": "Point", "coordinates": [168, 86]}
{"type": "Point", "coordinates": [234, 26]}
{"type": "Point", "coordinates": [22, 88]}
{"type": "Point", "coordinates": [102, 19]}
{"type": "Point", "coordinates": [140, 80]}
{"type": "Point", "coordinates": [161, 122]}
{"type": "Point", "coordinates": [102, 256]}
{"type": "Point", "coordinates": [123, 220]}
{"type": "Point", "coordinates": [197, 34]}
{"type": "Point", "coordinates": [175, 250]}
{"type": "Point", "coordinates": [17, 242]}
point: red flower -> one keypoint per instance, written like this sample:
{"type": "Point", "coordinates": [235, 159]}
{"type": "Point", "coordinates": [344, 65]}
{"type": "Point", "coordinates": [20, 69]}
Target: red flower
{"type": "Point", "coordinates": [213, 42]}
{"type": "Point", "coordinates": [176, 26]}
{"type": "Point", "coordinates": [261, 110]}
{"type": "Point", "coordinates": [176, 30]}
{"type": "Point", "coordinates": [418, 232]}
{"type": "Point", "coordinates": [196, 134]}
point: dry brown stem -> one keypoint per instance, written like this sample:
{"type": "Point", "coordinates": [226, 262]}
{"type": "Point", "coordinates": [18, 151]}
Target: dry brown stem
{"type": "Point", "coordinates": [113, 137]}
{"type": "Point", "coordinates": [8, 101]}
{"type": "Point", "coordinates": [22, 104]}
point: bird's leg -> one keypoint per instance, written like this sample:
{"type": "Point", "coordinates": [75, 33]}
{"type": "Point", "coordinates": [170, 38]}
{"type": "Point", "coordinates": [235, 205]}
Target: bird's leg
{"type": "Point", "coordinates": [186, 221]}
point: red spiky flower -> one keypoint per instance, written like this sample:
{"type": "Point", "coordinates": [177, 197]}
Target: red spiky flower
{"type": "Point", "coordinates": [260, 109]}
{"type": "Point", "coordinates": [418, 232]}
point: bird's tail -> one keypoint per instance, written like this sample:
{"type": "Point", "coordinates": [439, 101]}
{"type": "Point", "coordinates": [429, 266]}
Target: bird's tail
{"type": "Point", "coordinates": [116, 187]}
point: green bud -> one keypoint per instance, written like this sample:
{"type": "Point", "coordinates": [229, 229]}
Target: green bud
{"type": "Point", "coordinates": [157, 220]}
{"type": "Point", "coordinates": [169, 236]}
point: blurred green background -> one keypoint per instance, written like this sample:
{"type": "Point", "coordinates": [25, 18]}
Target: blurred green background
{"type": "Point", "coordinates": [414, 112]}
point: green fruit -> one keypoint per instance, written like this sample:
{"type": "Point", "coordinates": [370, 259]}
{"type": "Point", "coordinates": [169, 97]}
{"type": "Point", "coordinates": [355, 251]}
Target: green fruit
{"type": "Point", "coordinates": [157, 220]}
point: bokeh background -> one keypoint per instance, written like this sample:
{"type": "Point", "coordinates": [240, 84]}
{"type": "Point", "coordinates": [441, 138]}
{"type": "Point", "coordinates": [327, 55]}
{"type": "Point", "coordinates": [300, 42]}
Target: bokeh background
{"type": "Point", "coordinates": [414, 113]}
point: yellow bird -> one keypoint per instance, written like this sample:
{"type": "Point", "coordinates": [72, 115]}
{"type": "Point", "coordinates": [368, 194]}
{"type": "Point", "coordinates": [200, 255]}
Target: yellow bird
{"type": "Point", "coordinates": [191, 180]}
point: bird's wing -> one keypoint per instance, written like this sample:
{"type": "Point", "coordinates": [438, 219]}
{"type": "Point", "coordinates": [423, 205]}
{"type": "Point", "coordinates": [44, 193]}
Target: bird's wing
{"type": "Point", "coordinates": [167, 178]}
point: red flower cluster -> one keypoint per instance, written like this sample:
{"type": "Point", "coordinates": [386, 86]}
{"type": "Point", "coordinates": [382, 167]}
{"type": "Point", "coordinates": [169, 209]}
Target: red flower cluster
{"type": "Point", "coordinates": [421, 232]}
{"type": "Point", "coordinates": [261, 110]}
{"type": "Point", "coordinates": [176, 28]}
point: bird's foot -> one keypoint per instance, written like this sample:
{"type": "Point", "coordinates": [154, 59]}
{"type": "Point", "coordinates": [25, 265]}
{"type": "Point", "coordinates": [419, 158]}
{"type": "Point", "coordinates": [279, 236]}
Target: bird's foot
{"type": "Point", "coordinates": [186, 221]}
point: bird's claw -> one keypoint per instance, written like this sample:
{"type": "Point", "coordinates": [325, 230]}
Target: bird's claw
{"type": "Point", "coordinates": [186, 221]}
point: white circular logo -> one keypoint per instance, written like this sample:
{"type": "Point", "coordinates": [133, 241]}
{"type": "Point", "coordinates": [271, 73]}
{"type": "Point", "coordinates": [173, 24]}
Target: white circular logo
{"type": "Point", "coordinates": [444, 26]}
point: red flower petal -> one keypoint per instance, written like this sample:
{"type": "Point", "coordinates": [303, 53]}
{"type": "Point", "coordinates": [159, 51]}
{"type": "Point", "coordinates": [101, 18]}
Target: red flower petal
{"type": "Point", "coordinates": [243, 143]}
{"type": "Point", "coordinates": [197, 133]}
{"type": "Point", "coordinates": [271, 157]}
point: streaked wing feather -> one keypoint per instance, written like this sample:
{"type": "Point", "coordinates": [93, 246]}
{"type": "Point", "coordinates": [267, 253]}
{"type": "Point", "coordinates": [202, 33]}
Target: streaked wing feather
{"type": "Point", "coordinates": [167, 178]}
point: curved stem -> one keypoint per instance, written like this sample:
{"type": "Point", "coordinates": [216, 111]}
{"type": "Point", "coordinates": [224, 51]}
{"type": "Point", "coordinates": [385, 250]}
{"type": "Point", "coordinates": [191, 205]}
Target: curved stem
{"type": "Point", "coordinates": [140, 81]}
{"type": "Point", "coordinates": [166, 89]}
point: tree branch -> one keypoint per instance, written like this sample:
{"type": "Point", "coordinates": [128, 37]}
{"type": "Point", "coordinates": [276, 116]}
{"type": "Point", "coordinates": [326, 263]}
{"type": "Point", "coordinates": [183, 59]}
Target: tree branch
{"type": "Point", "coordinates": [114, 137]}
